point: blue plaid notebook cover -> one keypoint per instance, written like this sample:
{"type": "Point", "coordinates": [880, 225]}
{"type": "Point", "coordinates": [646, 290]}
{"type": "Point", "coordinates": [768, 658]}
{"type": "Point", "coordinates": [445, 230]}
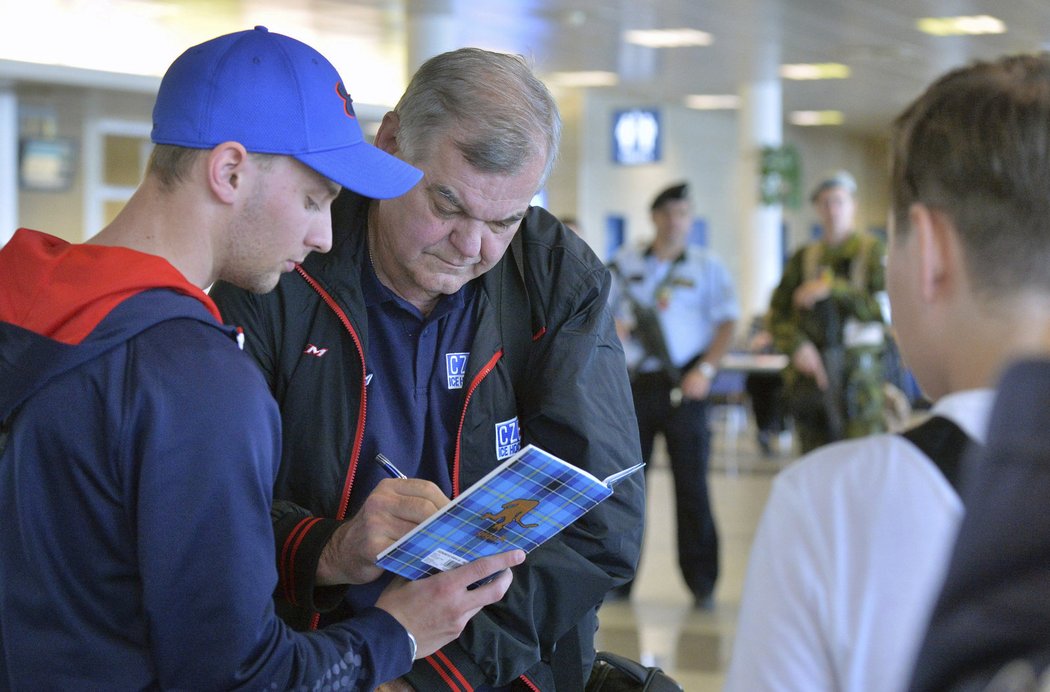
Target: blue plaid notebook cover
{"type": "Point", "coordinates": [520, 504]}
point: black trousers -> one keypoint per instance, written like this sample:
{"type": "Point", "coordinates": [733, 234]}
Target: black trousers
{"type": "Point", "coordinates": [766, 392]}
{"type": "Point", "coordinates": [688, 438]}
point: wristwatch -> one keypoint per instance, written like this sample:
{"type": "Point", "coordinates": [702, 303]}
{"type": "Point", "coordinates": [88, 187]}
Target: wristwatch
{"type": "Point", "coordinates": [412, 641]}
{"type": "Point", "coordinates": [707, 370]}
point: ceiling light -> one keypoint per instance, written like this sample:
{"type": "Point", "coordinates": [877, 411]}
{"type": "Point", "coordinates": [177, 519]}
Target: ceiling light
{"type": "Point", "coordinates": [592, 78]}
{"type": "Point", "coordinates": [811, 118]}
{"type": "Point", "coordinates": [712, 102]}
{"type": "Point", "coordinates": [961, 26]}
{"type": "Point", "coordinates": [827, 70]}
{"type": "Point", "coordinates": [668, 38]}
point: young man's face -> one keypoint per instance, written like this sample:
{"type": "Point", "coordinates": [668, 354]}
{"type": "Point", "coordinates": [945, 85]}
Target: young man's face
{"type": "Point", "coordinates": [286, 216]}
{"type": "Point", "coordinates": [453, 226]}
{"type": "Point", "coordinates": [672, 220]}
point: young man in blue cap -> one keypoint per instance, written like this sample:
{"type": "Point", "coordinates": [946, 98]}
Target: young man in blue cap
{"type": "Point", "coordinates": [139, 446]}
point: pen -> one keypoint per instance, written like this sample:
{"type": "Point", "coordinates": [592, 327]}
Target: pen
{"type": "Point", "coordinates": [389, 466]}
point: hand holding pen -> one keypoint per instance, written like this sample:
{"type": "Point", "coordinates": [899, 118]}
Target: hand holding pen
{"type": "Point", "coordinates": [389, 512]}
{"type": "Point", "coordinates": [395, 472]}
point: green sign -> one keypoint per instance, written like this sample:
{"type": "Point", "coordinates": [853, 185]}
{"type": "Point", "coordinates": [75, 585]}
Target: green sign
{"type": "Point", "coordinates": [780, 176]}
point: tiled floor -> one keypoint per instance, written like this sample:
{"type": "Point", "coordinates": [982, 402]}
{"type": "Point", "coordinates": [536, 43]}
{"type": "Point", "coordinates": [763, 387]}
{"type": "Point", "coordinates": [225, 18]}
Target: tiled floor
{"type": "Point", "coordinates": [659, 626]}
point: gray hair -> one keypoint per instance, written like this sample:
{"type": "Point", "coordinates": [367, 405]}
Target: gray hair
{"type": "Point", "coordinates": [506, 114]}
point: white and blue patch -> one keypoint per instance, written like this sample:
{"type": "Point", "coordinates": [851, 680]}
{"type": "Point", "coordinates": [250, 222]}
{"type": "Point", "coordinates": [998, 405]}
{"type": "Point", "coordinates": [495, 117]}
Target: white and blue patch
{"type": "Point", "coordinates": [456, 367]}
{"type": "Point", "coordinates": [508, 438]}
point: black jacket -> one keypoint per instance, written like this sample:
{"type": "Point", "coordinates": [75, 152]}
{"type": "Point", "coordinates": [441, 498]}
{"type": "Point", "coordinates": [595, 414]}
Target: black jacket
{"type": "Point", "coordinates": [992, 619]}
{"type": "Point", "coordinates": [572, 399]}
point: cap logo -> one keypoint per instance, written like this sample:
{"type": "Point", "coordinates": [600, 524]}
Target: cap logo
{"type": "Point", "coordinates": [341, 90]}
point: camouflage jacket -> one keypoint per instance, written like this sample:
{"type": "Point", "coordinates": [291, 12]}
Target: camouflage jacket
{"type": "Point", "coordinates": [856, 265]}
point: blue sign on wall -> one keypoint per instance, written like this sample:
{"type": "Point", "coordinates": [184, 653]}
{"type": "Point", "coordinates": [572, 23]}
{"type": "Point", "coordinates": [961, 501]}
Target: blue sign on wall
{"type": "Point", "coordinates": [636, 136]}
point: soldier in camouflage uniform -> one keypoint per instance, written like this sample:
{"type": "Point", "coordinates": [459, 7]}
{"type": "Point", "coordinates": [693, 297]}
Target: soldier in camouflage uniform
{"type": "Point", "coordinates": [825, 315]}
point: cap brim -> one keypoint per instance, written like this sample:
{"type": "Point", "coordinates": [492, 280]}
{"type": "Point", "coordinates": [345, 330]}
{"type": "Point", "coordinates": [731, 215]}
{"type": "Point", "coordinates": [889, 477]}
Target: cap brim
{"type": "Point", "coordinates": [365, 170]}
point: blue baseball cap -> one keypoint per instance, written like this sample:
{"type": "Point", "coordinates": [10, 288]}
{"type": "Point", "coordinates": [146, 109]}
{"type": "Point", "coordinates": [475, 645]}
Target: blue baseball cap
{"type": "Point", "coordinates": [274, 95]}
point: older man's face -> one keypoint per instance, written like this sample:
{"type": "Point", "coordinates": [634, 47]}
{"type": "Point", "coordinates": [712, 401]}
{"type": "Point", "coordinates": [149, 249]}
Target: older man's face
{"type": "Point", "coordinates": [453, 226]}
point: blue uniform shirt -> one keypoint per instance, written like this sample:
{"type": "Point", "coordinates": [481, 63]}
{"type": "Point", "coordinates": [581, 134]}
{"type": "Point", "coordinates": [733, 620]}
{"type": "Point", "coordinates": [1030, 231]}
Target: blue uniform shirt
{"type": "Point", "coordinates": [416, 367]}
{"type": "Point", "coordinates": [692, 295]}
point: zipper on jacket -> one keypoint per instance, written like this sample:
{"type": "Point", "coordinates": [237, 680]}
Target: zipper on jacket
{"type": "Point", "coordinates": [355, 452]}
{"type": "Point", "coordinates": [482, 374]}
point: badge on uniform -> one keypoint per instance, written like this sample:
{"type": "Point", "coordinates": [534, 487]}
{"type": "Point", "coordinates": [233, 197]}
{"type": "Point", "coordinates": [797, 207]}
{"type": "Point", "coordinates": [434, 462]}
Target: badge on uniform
{"type": "Point", "coordinates": [508, 438]}
{"type": "Point", "coordinates": [456, 369]}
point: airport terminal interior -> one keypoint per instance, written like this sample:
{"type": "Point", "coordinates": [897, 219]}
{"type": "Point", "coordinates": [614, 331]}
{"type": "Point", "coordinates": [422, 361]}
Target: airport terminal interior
{"type": "Point", "coordinates": [658, 625]}
{"type": "Point", "coordinates": [749, 101]}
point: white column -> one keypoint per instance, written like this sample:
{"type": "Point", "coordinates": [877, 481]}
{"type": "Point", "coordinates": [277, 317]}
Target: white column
{"type": "Point", "coordinates": [8, 162]}
{"type": "Point", "coordinates": [761, 124]}
{"type": "Point", "coordinates": [430, 29]}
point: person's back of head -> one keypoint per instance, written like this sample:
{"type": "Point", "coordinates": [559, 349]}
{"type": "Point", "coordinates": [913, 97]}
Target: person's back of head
{"type": "Point", "coordinates": [501, 113]}
{"type": "Point", "coordinates": [976, 147]}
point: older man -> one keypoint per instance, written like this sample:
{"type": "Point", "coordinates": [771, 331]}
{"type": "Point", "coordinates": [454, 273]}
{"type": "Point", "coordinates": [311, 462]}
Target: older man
{"type": "Point", "coordinates": [446, 328]}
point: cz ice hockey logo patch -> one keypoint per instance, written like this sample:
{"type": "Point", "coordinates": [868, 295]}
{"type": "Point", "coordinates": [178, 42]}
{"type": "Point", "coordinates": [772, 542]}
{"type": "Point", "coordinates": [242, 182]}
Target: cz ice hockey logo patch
{"type": "Point", "coordinates": [508, 438]}
{"type": "Point", "coordinates": [456, 369]}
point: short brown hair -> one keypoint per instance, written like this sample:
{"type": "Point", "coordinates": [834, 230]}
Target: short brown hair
{"type": "Point", "coordinates": [976, 147]}
{"type": "Point", "coordinates": [170, 163]}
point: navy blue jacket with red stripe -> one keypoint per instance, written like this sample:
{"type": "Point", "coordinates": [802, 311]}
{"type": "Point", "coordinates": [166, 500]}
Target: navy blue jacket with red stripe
{"type": "Point", "coordinates": [574, 401]}
{"type": "Point", "coordinates": [139, 449]}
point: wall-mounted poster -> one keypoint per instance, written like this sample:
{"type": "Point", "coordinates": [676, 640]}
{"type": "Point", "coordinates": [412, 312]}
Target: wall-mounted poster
{"type": "Point", "coordinates": [636, 136]}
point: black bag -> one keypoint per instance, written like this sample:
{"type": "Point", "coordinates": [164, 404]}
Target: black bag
{"type": "Point", "coordinates": [613, 673]}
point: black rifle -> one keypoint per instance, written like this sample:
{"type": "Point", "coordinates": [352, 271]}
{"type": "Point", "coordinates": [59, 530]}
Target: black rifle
{"type": "Point", "coordinates": [834, 356]}
{"type": "Point", "coordinates": [648, 332]}
{"type": "Point", "coordinates": [651, 336]}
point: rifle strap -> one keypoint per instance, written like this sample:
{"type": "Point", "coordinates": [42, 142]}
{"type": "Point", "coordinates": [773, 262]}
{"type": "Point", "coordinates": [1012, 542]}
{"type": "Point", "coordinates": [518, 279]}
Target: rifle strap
{"type": "Point", "coordinates": [662, 354]}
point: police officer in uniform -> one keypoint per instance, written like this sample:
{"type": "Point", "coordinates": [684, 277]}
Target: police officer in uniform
{"type": "Point", "coordinates": [676, 312]}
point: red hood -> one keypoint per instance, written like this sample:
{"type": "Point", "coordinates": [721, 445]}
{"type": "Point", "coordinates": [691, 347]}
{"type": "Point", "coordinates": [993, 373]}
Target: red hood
{"type": "Point", "coordinates": [62, 291]}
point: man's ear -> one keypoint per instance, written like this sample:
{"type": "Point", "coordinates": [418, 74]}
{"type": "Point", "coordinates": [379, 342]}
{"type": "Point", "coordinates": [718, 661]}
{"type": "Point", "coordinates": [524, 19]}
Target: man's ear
{"type": "Point", "coordinates": [386, 137]}
{"type": "Point", "coordinates": [226, 164]}
{"type": "Point", "coordinates": [939, 258]}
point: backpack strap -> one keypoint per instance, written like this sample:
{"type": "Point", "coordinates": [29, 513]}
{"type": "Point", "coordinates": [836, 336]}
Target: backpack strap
{"type": "Point", "coordinates": [944, 442]}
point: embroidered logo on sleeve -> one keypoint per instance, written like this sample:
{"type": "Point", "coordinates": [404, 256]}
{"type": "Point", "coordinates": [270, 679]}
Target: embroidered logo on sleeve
{"type": "Point", "coordinates": [508, 438]}
{"type": "Point", "coordinates": [456, 369]}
